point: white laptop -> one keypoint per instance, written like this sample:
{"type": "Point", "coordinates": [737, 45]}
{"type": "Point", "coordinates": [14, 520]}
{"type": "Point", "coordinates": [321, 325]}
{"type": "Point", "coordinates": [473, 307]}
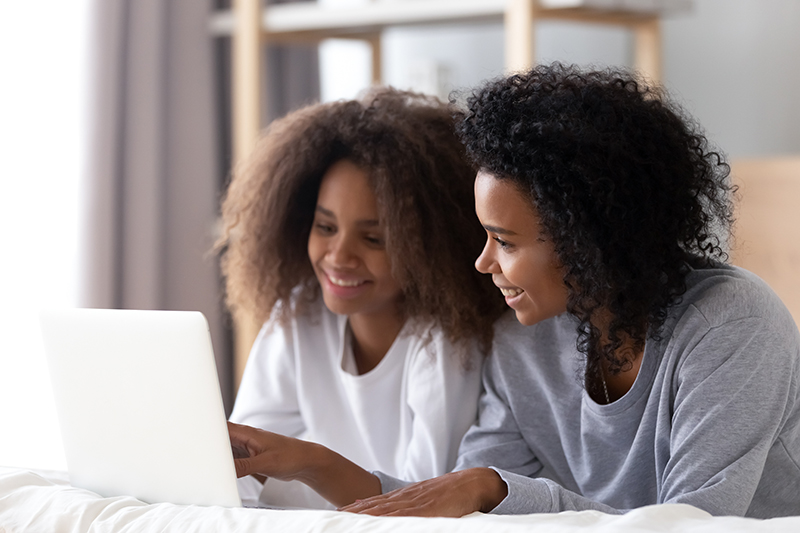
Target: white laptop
{"type": "Point", "coordinates": [139, 405]}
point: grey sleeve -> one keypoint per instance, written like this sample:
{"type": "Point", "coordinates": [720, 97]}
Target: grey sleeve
{"type": "Point", "coordinates": [731, 395]}
{"type": "Point", "coordinates": [495, 439]}
{"type": "Point", "coordinates": [540, 495]}
{"type": "Point", "coordinates": [389, 483]}
{"type": "Point", "coordinates": [734, 392]}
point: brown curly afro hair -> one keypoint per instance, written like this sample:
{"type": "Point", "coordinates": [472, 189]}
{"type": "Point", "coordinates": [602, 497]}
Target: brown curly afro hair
{"type": "Point", "coordinates": [423, 186]}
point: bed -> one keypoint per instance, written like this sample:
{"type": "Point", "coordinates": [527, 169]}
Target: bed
{"type": "Point", "coordinates": [43, 501]}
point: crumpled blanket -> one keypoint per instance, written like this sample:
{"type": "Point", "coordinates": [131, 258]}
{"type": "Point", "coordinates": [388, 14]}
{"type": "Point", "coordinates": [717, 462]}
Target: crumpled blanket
{"type": "Point", "coordinates": [33, 502]}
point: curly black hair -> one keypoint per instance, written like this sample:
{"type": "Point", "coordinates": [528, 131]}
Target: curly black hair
{"type": "Point", "coordinates": [422, 182]}
{"type": "Point", "coordinates": [626, 187]}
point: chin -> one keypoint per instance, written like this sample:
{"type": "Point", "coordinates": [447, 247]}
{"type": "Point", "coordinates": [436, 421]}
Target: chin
{"type": "Point", "coordinates": [528, 318]}
{"type": "Point", "coordinates": [336, 306]}
{"type": "Point", "coordinates": [524, 319]}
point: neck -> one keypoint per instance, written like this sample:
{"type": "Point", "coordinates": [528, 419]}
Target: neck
{"type": "Point", "coordinates": [617, 385]}
{"type": "Point", "coordinates": [373, 335]}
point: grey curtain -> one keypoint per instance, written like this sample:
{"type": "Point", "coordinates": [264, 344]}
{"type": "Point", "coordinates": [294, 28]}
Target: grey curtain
{"type": "Point", "coordinates": [154, 177]}
{"type": "Point", "coordinates": [161, 156]}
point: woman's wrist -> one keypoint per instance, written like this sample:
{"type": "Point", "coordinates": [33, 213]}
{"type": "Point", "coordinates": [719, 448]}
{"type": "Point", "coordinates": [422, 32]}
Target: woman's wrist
{"type": "Point", "coordinates": [317, 462]}
{"type": "Point", "coordinates": [334, 477]}
{"type": "Point", "coordinates": [490, 487]}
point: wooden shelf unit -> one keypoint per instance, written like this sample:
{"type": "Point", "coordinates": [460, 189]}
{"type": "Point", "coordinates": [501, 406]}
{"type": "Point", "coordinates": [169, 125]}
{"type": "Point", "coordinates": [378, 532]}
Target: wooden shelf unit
{"type": "Point", "coordinates": [251, 25]}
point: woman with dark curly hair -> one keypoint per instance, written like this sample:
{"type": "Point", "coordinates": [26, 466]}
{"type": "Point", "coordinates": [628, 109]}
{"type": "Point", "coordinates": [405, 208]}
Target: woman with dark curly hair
{"type": "Point", "coordinates": [350, 233]}
{"type": "Point", "coordinates": [606, 213]}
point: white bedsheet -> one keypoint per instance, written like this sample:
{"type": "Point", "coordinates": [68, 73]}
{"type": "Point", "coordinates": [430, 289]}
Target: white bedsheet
{"type": "Point", "coordinates": [33, 502]}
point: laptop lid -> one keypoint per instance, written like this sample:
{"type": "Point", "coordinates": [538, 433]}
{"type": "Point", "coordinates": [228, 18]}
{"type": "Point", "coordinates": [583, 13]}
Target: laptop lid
{"type": "Point", "coordinates": [139, 405]}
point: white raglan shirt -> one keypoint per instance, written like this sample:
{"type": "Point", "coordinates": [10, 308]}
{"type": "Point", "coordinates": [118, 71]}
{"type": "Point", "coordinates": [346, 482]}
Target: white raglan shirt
{"type": "Point", "coordinates": [405, 417]}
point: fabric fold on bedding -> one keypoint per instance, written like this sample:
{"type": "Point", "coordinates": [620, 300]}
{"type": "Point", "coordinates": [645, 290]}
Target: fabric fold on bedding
{"type": "Point", "coordinates": [32, 502]}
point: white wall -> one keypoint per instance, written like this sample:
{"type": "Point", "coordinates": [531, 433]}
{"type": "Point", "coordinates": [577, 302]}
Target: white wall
{"type": "Point", "coordinates": [732, 63]}
{"type": "Point", "coordinates": [736, 63]}
{"type": "Point", "coordinates": [473, 53]}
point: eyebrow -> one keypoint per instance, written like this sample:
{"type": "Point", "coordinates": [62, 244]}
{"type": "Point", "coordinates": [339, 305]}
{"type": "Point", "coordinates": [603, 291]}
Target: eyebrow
{"type": "Point", "coordinates": [498, 230]}
{"type": "Point", "coordinates": [369, 223]}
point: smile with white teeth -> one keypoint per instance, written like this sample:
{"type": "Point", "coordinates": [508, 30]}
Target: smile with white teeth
{"type": "Point", "coordinates": [510, 292]}
{"type": "Point", "coordinates": [343, 282]}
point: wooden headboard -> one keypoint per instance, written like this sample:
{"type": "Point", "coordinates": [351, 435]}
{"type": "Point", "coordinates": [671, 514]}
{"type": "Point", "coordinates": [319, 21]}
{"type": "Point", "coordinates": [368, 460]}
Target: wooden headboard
{"type": "Point", "coordinates": [767, 232]}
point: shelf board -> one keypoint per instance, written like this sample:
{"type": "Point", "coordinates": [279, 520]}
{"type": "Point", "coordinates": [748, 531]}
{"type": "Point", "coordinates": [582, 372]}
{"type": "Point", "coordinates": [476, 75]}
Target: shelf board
{"type": "Point", "coordinates": [311, 20]}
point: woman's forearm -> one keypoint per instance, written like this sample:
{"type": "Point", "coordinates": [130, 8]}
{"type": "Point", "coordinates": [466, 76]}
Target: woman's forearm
{"type": "Point", "coordinates": [335, 478]}
{"type": "Point", "coordinates": [264, 454]}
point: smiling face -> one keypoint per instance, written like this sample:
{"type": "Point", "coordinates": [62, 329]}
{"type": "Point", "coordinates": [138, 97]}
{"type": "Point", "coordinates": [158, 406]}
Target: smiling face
{"type": "Point", "coordinates": [346, 245]}
{"type": "Point", "coordinates": [521, 260]}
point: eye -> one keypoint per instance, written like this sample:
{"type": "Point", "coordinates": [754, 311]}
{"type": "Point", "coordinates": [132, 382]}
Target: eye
{"type": "Point", "coordinates": [323, 228]}
{"type": "Point", "coordinates": [374, 240]}
{"type": "Point", "coordinates": [503, 244]}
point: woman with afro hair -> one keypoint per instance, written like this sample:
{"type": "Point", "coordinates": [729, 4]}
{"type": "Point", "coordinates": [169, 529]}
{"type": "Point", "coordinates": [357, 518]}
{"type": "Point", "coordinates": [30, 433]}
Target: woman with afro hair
{"type": "Point", "coordinates": [350, 233]}
{"type": "Point", "coordinates": [643, 369]}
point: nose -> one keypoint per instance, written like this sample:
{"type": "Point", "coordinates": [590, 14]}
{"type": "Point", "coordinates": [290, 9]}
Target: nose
{"type": "Point", "coordinates": [340, 252]}
{"type": "Point", "coordinates": [485, 263]}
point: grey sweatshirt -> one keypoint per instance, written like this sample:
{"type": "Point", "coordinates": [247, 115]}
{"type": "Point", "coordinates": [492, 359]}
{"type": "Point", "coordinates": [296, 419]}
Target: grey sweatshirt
{"type": "Point", "coordinates": [712, 420]}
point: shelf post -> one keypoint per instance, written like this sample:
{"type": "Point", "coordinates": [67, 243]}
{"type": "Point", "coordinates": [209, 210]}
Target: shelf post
{"type": "Point", "coordinates": [245, 76]}
{"type": "Point", "coordinates": [374, 41]}
{"type": "Point", "coordinates": [246, 126]}
{"type": "Point", "coordinates": [647, 49]}
{"type": "Point", "coordinates": [519, 35]}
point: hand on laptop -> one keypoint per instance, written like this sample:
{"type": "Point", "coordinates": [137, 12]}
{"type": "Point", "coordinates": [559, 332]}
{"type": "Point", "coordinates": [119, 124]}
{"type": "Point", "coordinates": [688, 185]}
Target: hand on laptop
{"type": "Point", "coordinates": [262, 453]}
{"type": "Point", "coordinates": [256, 451]}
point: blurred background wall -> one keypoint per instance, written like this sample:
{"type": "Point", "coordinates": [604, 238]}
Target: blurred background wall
{"type": "Point", "coordinates": [116, 146]}
{"type": "Point", "coordinates": [734, 64]}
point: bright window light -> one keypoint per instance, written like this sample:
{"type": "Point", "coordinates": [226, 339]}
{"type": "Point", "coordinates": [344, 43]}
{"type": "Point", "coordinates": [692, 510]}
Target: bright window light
{"type": "Point", "coordinates": [43, 50]}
